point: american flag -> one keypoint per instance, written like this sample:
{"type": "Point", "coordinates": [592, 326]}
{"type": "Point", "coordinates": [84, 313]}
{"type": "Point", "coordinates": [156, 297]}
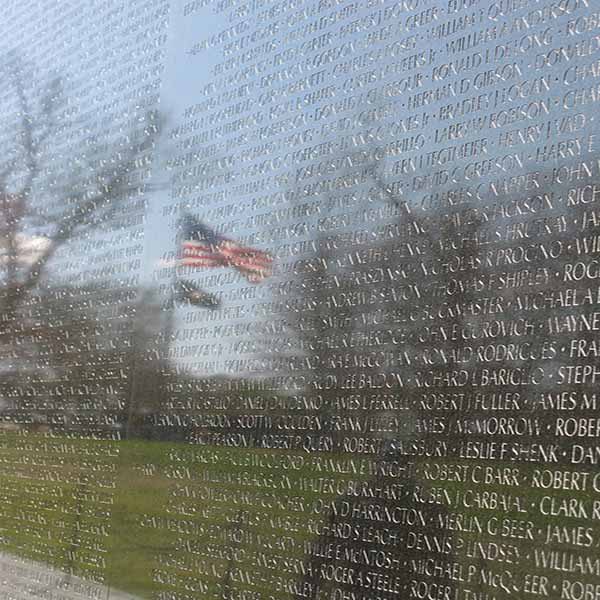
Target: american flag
{"type": "Point", "coordinates": [204, 248]}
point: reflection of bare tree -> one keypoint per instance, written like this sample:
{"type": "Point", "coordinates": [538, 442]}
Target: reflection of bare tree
{"type": "Point", "coordinates": [65, 200]}
{"type": "Point", "coordinates": [361, 352]}
{"type": "Point", "coordinates": [48, 199]}
{"type": "Point", "coordinates": [419, 333]}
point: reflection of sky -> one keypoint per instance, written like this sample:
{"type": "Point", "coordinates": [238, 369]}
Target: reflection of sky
{"type": "Point", "coordinates": [372, 63]}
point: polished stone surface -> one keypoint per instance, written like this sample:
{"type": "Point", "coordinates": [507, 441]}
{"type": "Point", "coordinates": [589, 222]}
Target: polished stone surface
{"type": "Point", "coordinates": [299, 299]}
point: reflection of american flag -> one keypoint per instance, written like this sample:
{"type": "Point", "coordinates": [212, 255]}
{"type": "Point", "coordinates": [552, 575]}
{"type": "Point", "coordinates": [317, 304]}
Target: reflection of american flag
{"type": "Point", "coordinates": [204, 248]}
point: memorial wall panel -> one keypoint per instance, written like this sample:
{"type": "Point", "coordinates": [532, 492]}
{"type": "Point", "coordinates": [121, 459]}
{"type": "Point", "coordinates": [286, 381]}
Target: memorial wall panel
{"type": "Point", "coordinates": [300, 300]}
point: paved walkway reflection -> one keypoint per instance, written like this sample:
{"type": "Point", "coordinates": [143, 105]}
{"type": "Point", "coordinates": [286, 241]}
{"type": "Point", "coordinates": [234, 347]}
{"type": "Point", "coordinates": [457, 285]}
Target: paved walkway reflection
{"type": "Point", "coordinates": [22, 579]}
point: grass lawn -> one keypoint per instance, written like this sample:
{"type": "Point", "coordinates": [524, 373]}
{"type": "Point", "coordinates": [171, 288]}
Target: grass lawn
{"type": "Point", "coordinates": [203, 522]}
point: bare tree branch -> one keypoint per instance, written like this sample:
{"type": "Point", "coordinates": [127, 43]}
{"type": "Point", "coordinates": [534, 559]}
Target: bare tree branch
{"type": "Point", "coordinates": [92, 194]}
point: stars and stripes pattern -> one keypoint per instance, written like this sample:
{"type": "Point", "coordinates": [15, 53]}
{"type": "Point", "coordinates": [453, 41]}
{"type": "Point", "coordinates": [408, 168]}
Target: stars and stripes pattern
{"type": "Point", "coordinates": [204, 248]}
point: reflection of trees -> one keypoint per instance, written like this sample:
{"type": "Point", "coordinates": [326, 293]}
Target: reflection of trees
{"type": "Point", "coordinates": [418, 325]}
{"type": "Point", "coordinates": [61, 200]}
{"type": "Point", "coordinates": [57, 339]}
{"type": "Point", "coordinates": [418, 286]}
{"type": "Point", "coordinates": [361, 350]}
{"type": "Point", "coordinates": [80, 354]}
